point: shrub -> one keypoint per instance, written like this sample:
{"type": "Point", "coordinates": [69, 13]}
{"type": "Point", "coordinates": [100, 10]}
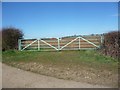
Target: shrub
{"type": "Point", "coordinates": [10, 36]}
{"type": "Point", "coordinates": [111, 45]}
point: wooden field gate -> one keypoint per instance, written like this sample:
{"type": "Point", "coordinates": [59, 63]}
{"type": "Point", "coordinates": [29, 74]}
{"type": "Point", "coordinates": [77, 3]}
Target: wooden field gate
{"type": "Point", "coordinates": [67, 43]}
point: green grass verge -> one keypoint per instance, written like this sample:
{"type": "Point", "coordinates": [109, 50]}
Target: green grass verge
{"type": "Point", "coordinates": [86, 58]}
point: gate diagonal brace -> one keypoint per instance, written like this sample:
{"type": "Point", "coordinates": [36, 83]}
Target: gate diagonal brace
{"type": "Point", "coordinates": [68, 43]}
{"type": "Point", "coordinates": [49, 44]}
{"type": "Point", "coordinates": [89, 42]}
{"type": "Point", "coordinates": [28, 45]}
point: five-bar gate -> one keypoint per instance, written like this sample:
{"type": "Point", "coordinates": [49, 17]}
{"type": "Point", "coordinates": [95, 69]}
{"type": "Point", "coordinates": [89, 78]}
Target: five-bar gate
{"type": "Point", "coordinates": [67, 43]}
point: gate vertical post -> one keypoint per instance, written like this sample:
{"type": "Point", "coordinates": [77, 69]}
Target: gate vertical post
{"type": "Point", "coordinates": [101, 39]}
{"type": "Point", "coordinates": [79, 43]}
{"type": "Point", "coordinates": [19, 44]}
{"type": "Point", "coordinates": [38, 44]}
{"type": "Point", "coordinates": [58, 44]}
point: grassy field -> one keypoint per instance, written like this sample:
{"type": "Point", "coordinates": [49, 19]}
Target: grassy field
{"type": "Point", "coordinates": [89, 58]}
{"type": "Point", "coordinates": [85, 65]}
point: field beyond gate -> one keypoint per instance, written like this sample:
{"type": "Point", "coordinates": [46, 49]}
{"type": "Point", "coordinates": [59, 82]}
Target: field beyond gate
{"type": "Point", "coordinates": [66, 43]}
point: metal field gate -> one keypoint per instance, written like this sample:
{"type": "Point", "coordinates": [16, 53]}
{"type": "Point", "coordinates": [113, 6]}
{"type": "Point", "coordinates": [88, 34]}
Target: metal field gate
{"type": "Point", "coordinates": [67, 43]}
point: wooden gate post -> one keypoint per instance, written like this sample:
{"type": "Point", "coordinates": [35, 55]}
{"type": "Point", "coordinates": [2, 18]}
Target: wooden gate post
{"type": "Point", "coordinates": [38, 44]}
{"type": "Point", "coordinates": [19, 44]}
{"type": "Point", "coordinates": [58, 44]}
{"type": "Point", "coordinates": [79, 43]}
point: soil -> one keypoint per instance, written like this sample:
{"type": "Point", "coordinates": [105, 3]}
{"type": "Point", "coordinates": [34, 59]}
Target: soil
{"type": "Point", "coordinates": [75, 73]}
{"type": "Point", "coordinates": [17, 78]}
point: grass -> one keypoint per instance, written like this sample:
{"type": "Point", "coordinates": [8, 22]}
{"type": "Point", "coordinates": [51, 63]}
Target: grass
{"type": "Point", "coordinates": [90, 58]}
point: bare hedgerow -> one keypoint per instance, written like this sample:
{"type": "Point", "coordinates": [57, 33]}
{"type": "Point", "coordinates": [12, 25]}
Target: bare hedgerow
{"type": "Point", "coordinates": [10, 36]}
{"type": "Point", "coordinates": [111, 45]}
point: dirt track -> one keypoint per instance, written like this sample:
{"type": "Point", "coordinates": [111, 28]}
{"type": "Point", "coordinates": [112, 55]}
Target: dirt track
{"type": "Point", "coordinates": [16, 78]}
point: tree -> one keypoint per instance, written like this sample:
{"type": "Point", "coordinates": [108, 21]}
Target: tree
{"type": "Point", "coordinates": [10, 36]}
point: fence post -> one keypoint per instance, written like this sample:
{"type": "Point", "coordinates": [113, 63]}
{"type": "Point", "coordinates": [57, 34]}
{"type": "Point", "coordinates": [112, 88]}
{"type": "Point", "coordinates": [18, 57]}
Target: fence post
{"type": "Point", "coordinates": [79, 42]}
{"type": "Point", "coordinates": [102, 39]}
{"type": "Point", "coordinates": [19, 44]}
{"type": "Point", "coordinates": [58, 44]}
{"type": "Point", "coordinates": [38, 44]}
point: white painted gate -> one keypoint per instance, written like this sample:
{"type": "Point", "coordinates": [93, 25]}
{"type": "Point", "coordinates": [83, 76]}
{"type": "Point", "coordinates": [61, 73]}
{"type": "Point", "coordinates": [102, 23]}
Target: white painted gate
{"type": "Point", "coordinates": [53, 44]}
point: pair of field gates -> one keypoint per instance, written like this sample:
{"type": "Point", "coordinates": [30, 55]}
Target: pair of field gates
{"type": "Point", "coordinates": [65, 43]}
